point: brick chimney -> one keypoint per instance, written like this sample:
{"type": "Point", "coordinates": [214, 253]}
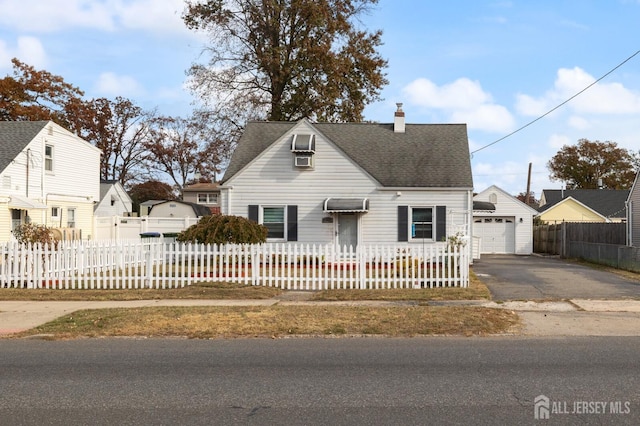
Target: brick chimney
{"type": "Point", "coordinates": [398, 119]}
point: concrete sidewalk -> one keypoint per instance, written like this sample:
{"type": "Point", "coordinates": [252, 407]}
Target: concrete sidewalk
{"type": "Point", "coordinates": [577, 317]}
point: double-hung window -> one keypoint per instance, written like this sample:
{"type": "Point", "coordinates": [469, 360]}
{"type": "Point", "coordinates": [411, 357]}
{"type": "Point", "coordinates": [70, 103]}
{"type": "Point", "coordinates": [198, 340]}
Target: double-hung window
{"type": "Point", "coordinates": [422, 223]}
{"type": "Point", "coordinates": [274, 219]}
{"type": "Point", "coordinates": [205, 198]}
{"type": "Point", "coordinates": [48, 158]}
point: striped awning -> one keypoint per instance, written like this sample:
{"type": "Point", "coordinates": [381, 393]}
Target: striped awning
{"type": "Point", "coordinates": [346, 205]}
{"type": "Point", "coordinates": [24, 203]}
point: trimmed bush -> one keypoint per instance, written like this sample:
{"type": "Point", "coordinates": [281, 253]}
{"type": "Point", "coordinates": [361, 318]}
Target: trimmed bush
{"type": "Point", "coordinates": [222, 229]}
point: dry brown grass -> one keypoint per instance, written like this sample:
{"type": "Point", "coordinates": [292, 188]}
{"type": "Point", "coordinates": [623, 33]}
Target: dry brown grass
{"type": "Point", "coordinates": [476, 291]}
{"type": "Point", "coordinates": [220, 290]}
{"type": "Point", "coordinates": [280, 321]}
{"type": "Point", "coordinates": [201, 290]}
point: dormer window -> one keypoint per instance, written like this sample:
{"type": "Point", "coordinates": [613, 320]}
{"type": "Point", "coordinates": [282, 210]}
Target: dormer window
{"type": "Point", "coordinates": [303, 143]}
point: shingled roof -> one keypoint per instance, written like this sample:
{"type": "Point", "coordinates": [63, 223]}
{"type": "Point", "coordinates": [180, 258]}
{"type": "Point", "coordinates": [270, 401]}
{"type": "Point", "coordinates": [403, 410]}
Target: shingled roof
{"type": "Point", "coordinates": [425, 155]}
{"type": "Point", "coordinates": [15, 136]}
{"type": "Point", "coordinates": [608, 202]}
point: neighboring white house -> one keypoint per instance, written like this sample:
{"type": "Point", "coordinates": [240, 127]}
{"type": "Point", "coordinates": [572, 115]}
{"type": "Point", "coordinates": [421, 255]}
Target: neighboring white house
{"type": "Point", "coordinates": [633, 214]}
{"type": "Point", "coordinates": [352, 183]}
{"type": "Point", "coordinates": [508, 228]}
{"type": "Point", "coordinates": [49, 176]}
{"type": "Point", "coordinates": [114, 200]}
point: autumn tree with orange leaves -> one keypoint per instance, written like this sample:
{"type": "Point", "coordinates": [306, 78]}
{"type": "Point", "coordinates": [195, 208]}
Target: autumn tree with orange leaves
{"type": "Point", "coordinates": [589, 164]}
{"type": "Point", "coordinates": [32, 95]}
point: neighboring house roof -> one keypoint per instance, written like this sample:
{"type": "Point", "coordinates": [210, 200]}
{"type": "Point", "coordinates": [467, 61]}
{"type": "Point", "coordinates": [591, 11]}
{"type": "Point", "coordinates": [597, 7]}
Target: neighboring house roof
{"type": "Point", "coordinates": [570, 201]}
{"type": "Point", "coordinates": [202, 186]}
{"type": "Point", "coordinates": [425, 155]}
{"type": "Point", "coordinates": [106, 185]}
{"type": "Point", "coordinates": [15, 136]}
{"type": "Point", "coordinates": [609, 203]}
{"type": "Point", "coordinates": [153, 202]}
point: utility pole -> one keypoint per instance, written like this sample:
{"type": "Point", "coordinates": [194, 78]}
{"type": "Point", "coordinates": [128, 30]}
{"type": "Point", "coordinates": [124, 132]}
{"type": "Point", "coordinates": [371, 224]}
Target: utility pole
{"type": "Point", "coordinates": [526, 197]}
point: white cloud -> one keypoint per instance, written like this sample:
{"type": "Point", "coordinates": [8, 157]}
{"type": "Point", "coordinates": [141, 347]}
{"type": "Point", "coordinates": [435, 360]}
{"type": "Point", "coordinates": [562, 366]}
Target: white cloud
{"type": "Point", "coordinates": [106, 15]}
{"type": "Point", "coordinates": [155, 15]}
{"type": "Point", "coordinates": [54, 15]}
{"type": "Point", "coordinates": [28, 50]}
{"type": "Point", "coordinates": [462, 93]}
{"type": "Point", "coordinates": [110, 84]}
{"type": "Point", "coordinates": [558, 141]}
{"type": "Point", "coordinates": [579, 123]}
{"type": "Point", "coordinates": [464, 101]}
{"type": "Point", "coordinates": [601, 98]}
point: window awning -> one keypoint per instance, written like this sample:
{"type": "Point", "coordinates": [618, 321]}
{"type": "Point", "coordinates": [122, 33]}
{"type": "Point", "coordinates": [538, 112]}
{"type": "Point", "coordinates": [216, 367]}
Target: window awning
{"type": "Point", "coordinates": [344, 205]}
{"type": "Point", "coordinates": [484, 205]}
{"type": "Point", "coordinates": [24, 203]}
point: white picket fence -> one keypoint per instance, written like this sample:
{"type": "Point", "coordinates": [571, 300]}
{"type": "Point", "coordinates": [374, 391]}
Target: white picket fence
{"type": "Point", "coordinates": [158, 263]}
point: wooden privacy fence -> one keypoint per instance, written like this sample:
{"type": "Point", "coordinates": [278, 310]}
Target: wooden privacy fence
{"type": "Point", "coordinates": [556, 239]}
{"type": "Point", "coordinates": [155, 263]}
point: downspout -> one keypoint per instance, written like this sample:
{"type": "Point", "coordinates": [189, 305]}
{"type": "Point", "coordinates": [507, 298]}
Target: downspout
{"type": "Point", "coordinates": [28, 161]}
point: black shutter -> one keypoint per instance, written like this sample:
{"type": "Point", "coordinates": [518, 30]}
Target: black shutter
{"type": "Point", "coordinates": [403, 223]}
{"type": "Point", "coordinates": [292, 223]}
{"type": "Point", "coordinates": [441, 223]}
{"type": "Point", "coordinates": [253, 212]}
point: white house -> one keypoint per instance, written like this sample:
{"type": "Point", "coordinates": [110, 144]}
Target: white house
{"type": "Point", "coordinates": [49, 176]}
{"type": "Point", "coordinates": [508, 227]}
{"type": "Point", "coordinates": [633, 214]}
{"type": "Point", "coordinates": [114, 200]}
{"type": "Point", "coordinates": [352, 183]}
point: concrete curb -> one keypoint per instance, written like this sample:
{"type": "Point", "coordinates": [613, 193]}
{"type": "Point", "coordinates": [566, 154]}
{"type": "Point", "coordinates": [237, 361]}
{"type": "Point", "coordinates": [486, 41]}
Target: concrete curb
{"type": "Point", "coordinates": [557, 318]}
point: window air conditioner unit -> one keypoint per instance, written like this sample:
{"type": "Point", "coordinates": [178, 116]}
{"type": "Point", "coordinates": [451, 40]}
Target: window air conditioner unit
{"type": "Point", "coordinates": [303, 161]}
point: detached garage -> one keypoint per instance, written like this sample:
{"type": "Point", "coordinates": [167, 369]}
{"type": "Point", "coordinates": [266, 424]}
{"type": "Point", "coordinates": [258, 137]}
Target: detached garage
{"type": "Point", "coordinates": [502, 223]}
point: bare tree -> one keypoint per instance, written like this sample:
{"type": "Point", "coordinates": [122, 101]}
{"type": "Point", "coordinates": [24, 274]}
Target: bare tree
{"type": "Point", "coordinates": [286, 59]}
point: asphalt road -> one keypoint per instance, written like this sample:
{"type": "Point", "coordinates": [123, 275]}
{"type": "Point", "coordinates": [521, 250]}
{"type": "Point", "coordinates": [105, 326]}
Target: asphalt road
{"type": "Point", "coordinates": [372, 381]}
{"type": "Point", "coordinates": [511, 277]}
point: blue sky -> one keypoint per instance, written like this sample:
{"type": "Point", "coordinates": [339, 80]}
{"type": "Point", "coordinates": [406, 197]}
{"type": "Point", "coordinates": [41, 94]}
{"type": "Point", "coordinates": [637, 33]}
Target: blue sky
{"type": "Point", "coordinates": [495, 65]}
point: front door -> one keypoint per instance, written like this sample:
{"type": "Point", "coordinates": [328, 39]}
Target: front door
{"type": "Point", "coordinates": [347, 230]}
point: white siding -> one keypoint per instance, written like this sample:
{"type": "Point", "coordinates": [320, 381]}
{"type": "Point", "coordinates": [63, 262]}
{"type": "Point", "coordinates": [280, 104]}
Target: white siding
{"type": "Point", "coordinates": [273, 180]}
{"type": "Point", "coordinates": [509, 206]}
{"type": "Point", "coordinates": [74, 181]}
{"type": "Point", "coordinates": [633, 215]}
{"type": "Point", "coordinates": [76, 165]}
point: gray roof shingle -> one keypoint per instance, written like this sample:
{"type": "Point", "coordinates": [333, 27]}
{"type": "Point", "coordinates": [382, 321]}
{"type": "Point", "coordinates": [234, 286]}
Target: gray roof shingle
{"type": "Point", "coordinates": [608, 202]}
{"type": "Point", "coordinates": [15, 136]}
{"type": "Point", "coordinates": [426, 155]}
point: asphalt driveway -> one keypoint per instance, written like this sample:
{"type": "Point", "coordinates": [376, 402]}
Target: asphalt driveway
{"type": "Point", "coordinates": [511, 277]}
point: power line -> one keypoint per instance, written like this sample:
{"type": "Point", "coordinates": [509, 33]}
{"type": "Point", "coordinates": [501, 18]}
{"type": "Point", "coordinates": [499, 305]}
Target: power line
{"type": "Point", "coordinates": [557, 106]}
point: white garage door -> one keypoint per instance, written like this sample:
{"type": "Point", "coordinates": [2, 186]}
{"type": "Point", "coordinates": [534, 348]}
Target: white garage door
{"type": "Point", "coordinates": [497, 234]}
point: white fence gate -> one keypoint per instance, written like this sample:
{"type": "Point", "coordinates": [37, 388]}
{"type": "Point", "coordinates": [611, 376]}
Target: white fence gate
{"type": "Point", "coordinates": [156, 263]}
